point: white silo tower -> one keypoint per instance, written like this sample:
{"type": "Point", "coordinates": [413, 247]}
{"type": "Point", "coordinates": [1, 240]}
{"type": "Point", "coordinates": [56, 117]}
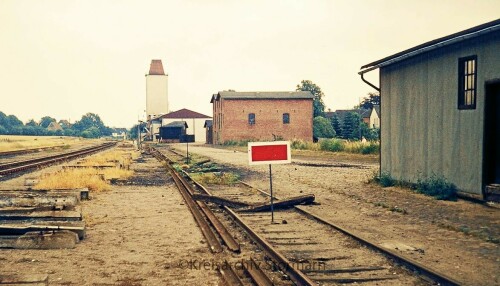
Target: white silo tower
{"type": "Point", "coordinates": [156, 90]}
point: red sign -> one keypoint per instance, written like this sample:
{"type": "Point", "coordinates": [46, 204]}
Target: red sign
{"type": "Point", "coordinates": [277, 152]}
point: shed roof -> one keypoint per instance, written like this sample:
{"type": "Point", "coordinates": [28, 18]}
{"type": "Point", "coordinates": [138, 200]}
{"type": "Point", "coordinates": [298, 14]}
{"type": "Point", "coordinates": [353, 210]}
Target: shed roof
{"type": "Point", "coordinates": [431, 45]}
{"type": "Point", "coordinates": [184, 114]}
{"type": "Point", "coordinates": [176, 124]}
{"type": "Point", "coordinates": [262, 95]}
{"type": "Point", "coordinates": [156, 68]}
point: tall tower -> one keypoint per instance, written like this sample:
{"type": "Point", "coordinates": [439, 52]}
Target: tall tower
{"type": "Point", "coordinates": [156, 90]}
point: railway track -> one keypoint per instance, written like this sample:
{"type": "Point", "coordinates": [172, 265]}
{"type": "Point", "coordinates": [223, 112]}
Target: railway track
{"type": "Point", "coordinates": [12, 168]}
{"type": "Point", "coordinates": [308, 249]}
{"type": "Point", "coordinates": [29, 150]}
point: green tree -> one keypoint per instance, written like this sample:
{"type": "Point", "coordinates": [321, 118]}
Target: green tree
{"type": "Point", "coordinates": [91, 120]}
{"type": "Point", "coordinates": [31, 123]}
{"type": "Point", "coordinates": [3, 130]}
{"type": "Point", "coordinates": [372, 99]}
{"type": "Point", "coordinates": [351, 126]}
{"type": "Point", "coordinates": [133, 131]}
{"type": "Point", "coordinates": [336, 124]}
{"type": "Point", "coordinates": [46, 120]}
{"type": "Point", "coordinates": [318, 104]}
{"type": "Point", "coordinates": [14, 121]}
{"type": "Point", "coordinates": [322, 128]}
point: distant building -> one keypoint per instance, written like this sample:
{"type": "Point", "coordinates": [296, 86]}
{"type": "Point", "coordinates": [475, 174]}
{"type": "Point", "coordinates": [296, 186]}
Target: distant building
{"type": "Point", "coordinates": [156, 90]}
{"type": "Point", "coordinates": [209, 131]}
{"type": "Point", "coordinates": [440, 106]}
{"type": "Point", "coordinates": [375, 117]}
{"type": "Point", "coordinates": [54, 126]}
{"type": "Point", "coordinates": [341, 113]}
{"type": "Point", "coordinates": [173, 131]}
{"type": "Point", "coordinates": [194, 120]}
{"type": "Point", "coordinates": [64, 123]}
{"type": "Point", "coordinates": [262, 116]}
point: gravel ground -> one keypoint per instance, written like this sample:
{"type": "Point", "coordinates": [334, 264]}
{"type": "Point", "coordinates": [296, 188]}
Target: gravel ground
{"type": "Point", "coordinates": [459, 238]}
{"type": "Point", "coordinates": [138, 234]}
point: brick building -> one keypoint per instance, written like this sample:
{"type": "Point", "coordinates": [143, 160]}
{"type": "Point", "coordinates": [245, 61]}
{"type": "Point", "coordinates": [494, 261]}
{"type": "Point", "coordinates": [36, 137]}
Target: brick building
{"type": "Point", "coordinates": [262, 116]}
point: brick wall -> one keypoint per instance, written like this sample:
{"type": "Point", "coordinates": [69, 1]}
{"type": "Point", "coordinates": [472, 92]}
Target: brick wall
{"type": "Point", "coordinates": [231, 119]}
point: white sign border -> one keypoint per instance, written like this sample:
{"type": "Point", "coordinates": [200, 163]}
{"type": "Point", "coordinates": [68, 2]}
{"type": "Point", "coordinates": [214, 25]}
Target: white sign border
{"type": "Point", "coordinates": [288, 155]}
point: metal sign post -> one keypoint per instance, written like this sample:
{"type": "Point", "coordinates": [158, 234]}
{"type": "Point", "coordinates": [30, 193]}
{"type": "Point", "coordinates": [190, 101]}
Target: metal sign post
{"type": "Point", "coordinates": [271, 187]}
{"type": "Point", "coordinates": [187, 151]}
{"type": "Point", "coordinates": [277, 152]}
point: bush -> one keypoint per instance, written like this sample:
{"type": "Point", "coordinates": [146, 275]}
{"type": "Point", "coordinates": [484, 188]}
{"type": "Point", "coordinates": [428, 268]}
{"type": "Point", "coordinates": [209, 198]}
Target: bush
{"type": "Point", "coordinates": [304, 145]}
{"type": "Point", "coordinates": [332, 145]}
{"type": "Point", "coordinates": [371, 148]}
{"type": "Point", "coordinates": [438, 187]}
{"type": "Point", "coordinates": [385, 180]}
{"type": "Point", "coordinates": [230, 143]}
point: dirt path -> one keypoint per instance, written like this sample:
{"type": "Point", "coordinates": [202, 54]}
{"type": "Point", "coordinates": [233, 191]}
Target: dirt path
{"type": "Point", "coordinates": [139, 234]}
{"type": "Point", "coordinates": [457, 238]}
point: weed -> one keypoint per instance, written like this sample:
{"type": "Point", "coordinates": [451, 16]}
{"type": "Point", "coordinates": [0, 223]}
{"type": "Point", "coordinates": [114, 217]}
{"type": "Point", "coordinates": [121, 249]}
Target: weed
{"type": "Point", "coordinates": [438, 187]}
{"type": "Point", "coordinates": [216, 178]}
{"type": "Point", "coordinates": [299, 144]}
{"type": "Point", "coordinates": [332, 145]}
{"type": "Point", "coordinates": [385, 179]}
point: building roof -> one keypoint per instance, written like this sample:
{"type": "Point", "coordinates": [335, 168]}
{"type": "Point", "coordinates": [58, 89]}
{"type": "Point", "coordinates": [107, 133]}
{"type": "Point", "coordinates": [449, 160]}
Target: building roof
{"type": "Point", "coordinates": [208, 123]}
{"type": "Point", "coordinates": [53, 126]}
{"type": "Point", "coordinates": [175, 124]}
{"type": "Point", "coordinates": [156, 68]}
{"type": "Point", "coordinates": [262, 95]}
{"type": "Point", "coordinates": [341, 113]}
{"type": "Point", "coordinates": [184, 114]}
{"type": "Point", "coordinates": [377, 109]}
{"type": "Point", "coordinates": [437, 43]}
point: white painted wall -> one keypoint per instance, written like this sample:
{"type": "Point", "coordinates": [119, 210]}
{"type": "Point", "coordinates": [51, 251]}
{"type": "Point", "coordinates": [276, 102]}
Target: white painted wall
{"type": "Point", "coordinates": [374, 119]}
{"type": "Point", "coordinates": [156, 94]}
{"type": "Point", "coordinates": [195, 127]}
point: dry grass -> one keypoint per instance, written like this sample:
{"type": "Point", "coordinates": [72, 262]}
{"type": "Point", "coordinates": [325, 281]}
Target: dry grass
{"type": "Point", "coordinates": [119, 158]}
{"type": "Point", "coordinates": [73, 179]}
{"type": "Point", "coordinates": [92, 178]}
{"type": "Point", "coordinates": [19, 142]}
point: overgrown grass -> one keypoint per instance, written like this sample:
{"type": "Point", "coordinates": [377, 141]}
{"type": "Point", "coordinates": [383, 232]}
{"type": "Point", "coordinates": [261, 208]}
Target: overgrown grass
{"type": "Point", "coordinates": [73, 179]}
{"type": "Point", "coordinates": [304, 145]}
{"type": "Point", "coordinates": [240, 143]}
{"type": "Point", "coordinates": [338, 145]}
{"type": "Point", "coordinates": [216, 178]}
{"type": "Point", "coordinates": [92, 178]}
{"type": "Point", "coordinates": [434, 186]}
{"type": "Point", "coordinates": [438, 187]}
{"type": "Point", "coordinates": [20, 142]}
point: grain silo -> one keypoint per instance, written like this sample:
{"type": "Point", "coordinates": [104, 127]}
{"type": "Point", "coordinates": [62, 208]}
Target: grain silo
{"type": "Point", "coordinates": [156, 90]}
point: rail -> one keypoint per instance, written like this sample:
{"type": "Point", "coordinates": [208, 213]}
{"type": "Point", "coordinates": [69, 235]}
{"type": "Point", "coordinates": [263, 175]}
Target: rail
{"type": "Point", "coordinates": [15, 167]}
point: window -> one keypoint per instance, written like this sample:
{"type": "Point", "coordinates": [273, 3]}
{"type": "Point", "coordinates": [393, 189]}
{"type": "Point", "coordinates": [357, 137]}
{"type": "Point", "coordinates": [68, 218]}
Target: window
{"type": "Point", "coordinates": [251, 118]}
{"type": "Point", "coordinates": [286, 118]}
{"type": "Point", "coordinates": [467, 82]}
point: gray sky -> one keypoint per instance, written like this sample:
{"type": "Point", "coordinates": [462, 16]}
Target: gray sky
{"type": "Point", "coordinates": [65, 58]}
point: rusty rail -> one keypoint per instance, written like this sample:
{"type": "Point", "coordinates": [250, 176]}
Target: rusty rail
{"type": "Point", "coordinates": [15, 167]}
{"type": "Point", "coordinates": [200, 210]}
{"type": "Point", "coordinates": [423, 270]}
{"type": "Point", "coordinates": [297, 276]}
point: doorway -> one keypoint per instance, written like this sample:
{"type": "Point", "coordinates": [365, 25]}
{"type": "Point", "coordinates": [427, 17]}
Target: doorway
{"type": "Point", "coordinates": [491, 155]}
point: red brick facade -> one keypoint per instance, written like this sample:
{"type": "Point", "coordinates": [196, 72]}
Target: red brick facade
{"type": "Point", "coordinates": [231, 112]}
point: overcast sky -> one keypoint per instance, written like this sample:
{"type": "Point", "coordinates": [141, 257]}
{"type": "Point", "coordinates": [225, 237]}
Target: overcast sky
{"type": "Point", "coordinates": [66, 58]}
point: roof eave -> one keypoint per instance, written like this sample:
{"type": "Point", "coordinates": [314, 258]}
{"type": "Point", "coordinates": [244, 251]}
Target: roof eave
{"type": "Point", "coordinates": [434, 44]}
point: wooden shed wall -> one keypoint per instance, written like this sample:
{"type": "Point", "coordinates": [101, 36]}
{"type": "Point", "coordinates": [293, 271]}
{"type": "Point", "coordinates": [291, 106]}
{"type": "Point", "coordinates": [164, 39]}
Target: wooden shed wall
{"type": "Point", "coordinates": [423, 131]}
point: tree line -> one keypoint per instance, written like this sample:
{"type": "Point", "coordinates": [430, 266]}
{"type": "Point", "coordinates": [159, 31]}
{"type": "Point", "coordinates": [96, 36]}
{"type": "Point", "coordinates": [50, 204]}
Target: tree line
{"type": "Point", "coordinates": [350, 127]}
{"type": "Point", "coordinates": [89, 126]}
